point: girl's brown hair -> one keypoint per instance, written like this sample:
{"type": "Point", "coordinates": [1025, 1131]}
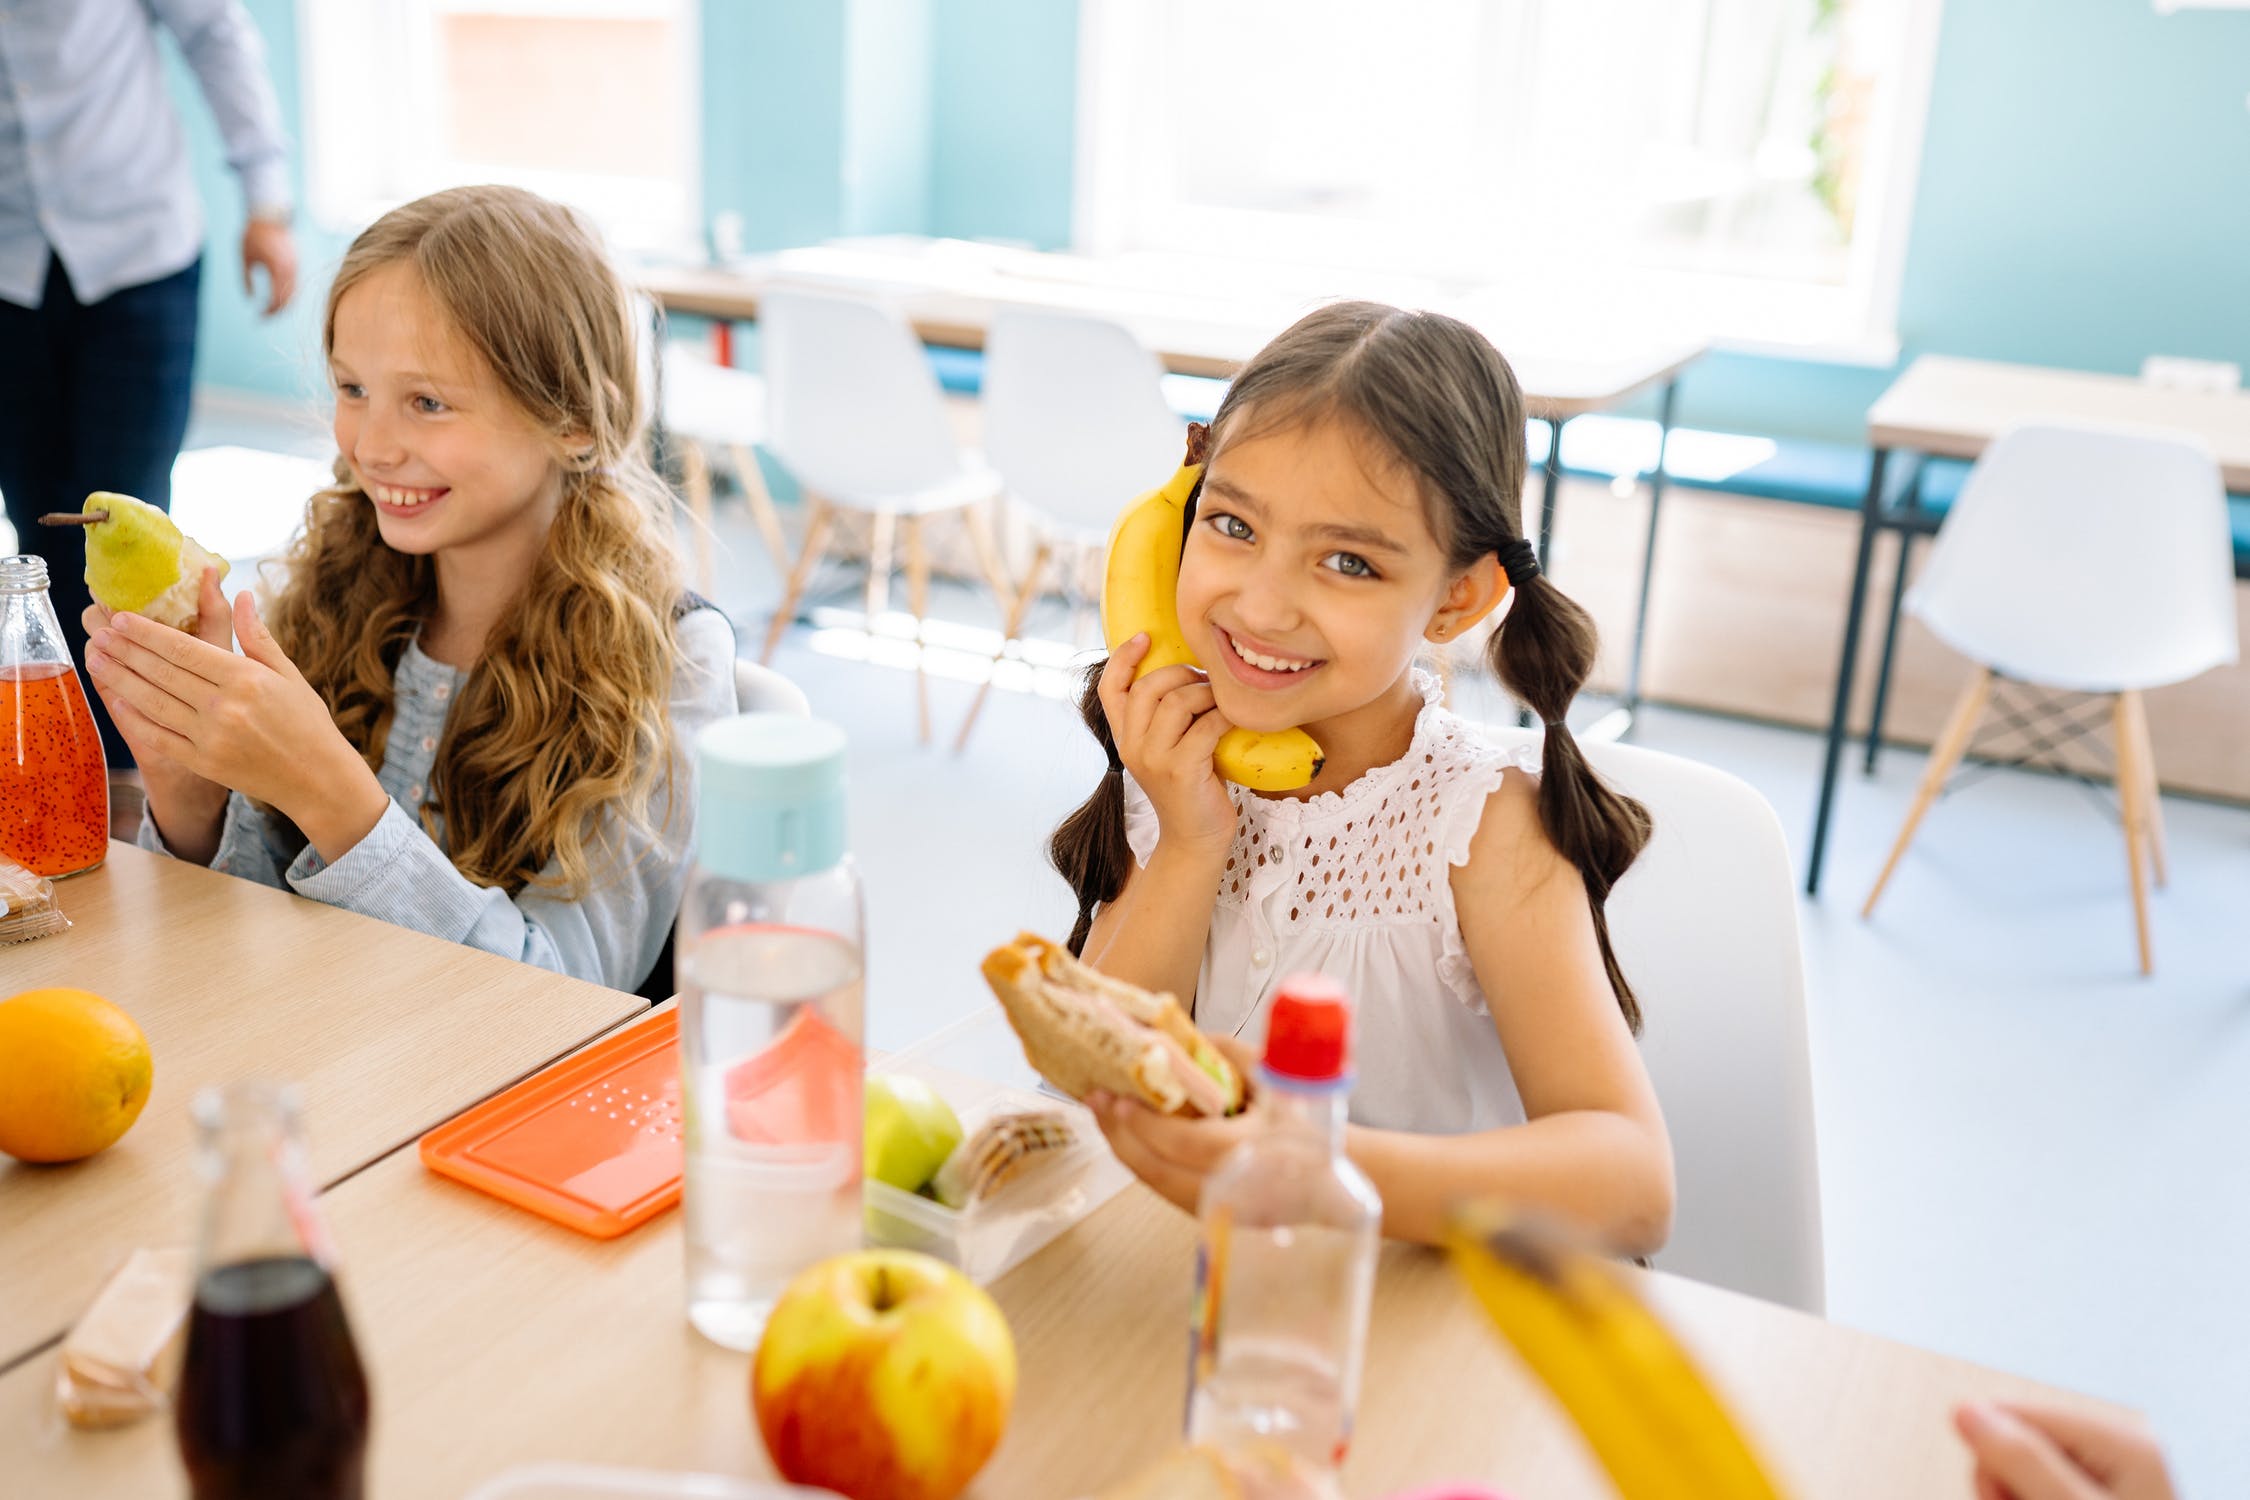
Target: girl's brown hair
{"type": "Point", "coordinates": [1436, 394]}
{"type": "Point", "coordinates": [565, 716]}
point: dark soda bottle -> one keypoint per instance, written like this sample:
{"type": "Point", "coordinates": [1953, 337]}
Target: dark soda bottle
{"type": "Point", "coordinates": [272, 1401]}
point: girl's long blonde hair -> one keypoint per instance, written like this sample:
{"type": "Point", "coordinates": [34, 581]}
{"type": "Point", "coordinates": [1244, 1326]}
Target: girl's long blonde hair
{"type": "Point", "coordinates": [565, 715]}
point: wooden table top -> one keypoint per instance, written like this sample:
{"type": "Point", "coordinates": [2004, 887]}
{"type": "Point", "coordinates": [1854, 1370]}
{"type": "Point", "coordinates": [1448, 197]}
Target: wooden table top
{"type": "Point", "coordinates": [494, 1339]}
{"type": "Point", "coordinates": [1954, 407]}
{"type": "Point", "coordinates": [385, 1031]}
{"type": "Point", "coordinates": [950, 292]}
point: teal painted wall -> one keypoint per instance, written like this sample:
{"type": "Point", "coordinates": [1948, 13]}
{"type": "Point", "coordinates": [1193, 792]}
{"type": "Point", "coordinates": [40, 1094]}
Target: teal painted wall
{"type": "Point", "coordinates": [888, 117]}
{"type": "Point", "coordinates": [773, 117]}
{"type": "Point", "coordinates": [2084, 196]}
{"type": "Point", "coordinates": [1007, 112]}
{"type": "Point", "coordinates": [236, 347]}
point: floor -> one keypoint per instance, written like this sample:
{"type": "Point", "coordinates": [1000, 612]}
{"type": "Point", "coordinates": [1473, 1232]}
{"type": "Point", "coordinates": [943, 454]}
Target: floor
{"type": "Point", "coordinates": [2031, 1157]}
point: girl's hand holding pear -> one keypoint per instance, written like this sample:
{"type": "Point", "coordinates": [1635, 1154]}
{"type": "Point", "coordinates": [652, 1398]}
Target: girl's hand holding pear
{"type": "Point", "coordinates": [196, 712]}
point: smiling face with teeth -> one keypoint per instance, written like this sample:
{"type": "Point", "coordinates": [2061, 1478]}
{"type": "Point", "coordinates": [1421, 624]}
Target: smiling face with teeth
{"type": "Point", "coordinates": [450, 464]}
{"type": "Point", "coordinates": [1308, 581]}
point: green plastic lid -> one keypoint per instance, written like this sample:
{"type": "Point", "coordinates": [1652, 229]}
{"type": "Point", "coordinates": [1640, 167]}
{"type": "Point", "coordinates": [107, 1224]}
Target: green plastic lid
{"type": "Point", "coordinates": [769, 796]}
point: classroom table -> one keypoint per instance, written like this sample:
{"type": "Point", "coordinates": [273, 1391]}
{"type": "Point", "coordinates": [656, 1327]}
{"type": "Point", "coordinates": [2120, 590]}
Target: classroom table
{"type": "Point", "coordinates": [1948, 407]}
{"type": "Point", "coordinates": [1573, 353]}
{"type": "Point", "coordinates": [385, 1032]}
{"type": "Point", "coordinates": [494, 1339]}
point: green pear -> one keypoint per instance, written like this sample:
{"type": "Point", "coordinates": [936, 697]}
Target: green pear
{"type": "Point", "coordinates": [139, 560]}
{"type": "Point", "coordinates": [911, 1130]}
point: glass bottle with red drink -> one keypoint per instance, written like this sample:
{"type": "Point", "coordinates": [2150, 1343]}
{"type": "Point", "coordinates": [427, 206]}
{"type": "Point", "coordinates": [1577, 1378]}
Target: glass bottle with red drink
{"type": "Point", "coordinates": [54, 786]}
{"type": "Point", "coordinates": [272, 1399]}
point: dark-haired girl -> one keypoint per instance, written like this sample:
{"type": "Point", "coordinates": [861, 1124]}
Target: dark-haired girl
{"type": "Point", "coordinates": [1362, 495]}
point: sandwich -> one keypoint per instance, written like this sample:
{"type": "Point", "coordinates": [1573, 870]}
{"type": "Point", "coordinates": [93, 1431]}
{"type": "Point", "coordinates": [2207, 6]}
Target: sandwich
{"type": "Point", "coordinates": [1002, 1150]}
{"type": "Point", "coordinates": [1085, 1031]}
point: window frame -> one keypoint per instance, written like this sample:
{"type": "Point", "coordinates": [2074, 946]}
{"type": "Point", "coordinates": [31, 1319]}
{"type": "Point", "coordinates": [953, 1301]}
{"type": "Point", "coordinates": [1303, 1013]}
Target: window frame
{"type": "Point", "coordinates": [354, 174]}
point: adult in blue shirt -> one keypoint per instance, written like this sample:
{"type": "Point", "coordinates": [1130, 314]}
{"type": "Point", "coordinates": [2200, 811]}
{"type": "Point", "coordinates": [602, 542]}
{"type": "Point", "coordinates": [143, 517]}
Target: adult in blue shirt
{"type": "Point", "coordinates": [101, 245]}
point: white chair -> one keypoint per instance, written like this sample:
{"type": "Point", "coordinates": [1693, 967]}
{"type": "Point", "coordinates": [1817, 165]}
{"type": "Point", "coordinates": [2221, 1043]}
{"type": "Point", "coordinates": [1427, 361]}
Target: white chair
{"type": "Point", "coordinates": [853, 410]}
{"type": "Point", "coordinates": [2091, 560]}
{"type": "Point", "coordinates": [759, 689]}
{"type": "Point", "coordinates": [1705, 928]}
{"type": "Point", "coordinates": [2211, 377]}
{"type": "Point", "coordinates": [702, 405]}
{"type": "Point", "coordinates": [1076, 422]}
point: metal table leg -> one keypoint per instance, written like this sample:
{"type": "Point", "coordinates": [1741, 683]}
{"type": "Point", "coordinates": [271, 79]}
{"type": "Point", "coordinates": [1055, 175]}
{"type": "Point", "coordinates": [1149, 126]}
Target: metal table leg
{"type": "Point", "coordinates": [1870, 517]}
{"type": "Point", "coordinates": [1551, 483]}
{"type": "Point", "coordinates": [1912, 514]}
{"type": "Point", "coordinates": [1618, 722]}
{"type": "Point", "coordinates": [1656, 481]}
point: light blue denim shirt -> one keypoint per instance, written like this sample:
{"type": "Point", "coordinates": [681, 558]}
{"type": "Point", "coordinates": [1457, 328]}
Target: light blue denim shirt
{"type": "Point", "coordinates": [611, 935]}
{"type": "Point", "coordinates": [93, 160]}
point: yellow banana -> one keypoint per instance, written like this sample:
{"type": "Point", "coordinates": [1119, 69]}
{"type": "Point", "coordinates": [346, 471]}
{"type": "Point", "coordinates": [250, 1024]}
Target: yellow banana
{"type": "Point", "coordinates": [1644, 1408]}
{"type": "Point", "coordinates": [1141, 592]}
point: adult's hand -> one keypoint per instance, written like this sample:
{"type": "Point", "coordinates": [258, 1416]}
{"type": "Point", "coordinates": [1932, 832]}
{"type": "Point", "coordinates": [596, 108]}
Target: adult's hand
{"type": "Point", "coordinates": [268, 243]}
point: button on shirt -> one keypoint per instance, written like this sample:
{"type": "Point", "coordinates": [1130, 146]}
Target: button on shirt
{"type": "Point", "coordinates": [93, 159]}
{"type": "Point", "coordinates": [612, 934]}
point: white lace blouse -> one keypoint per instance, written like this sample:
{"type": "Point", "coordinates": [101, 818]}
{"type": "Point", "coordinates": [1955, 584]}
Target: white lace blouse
{"type": "Point", "coordinates": [1353, 884]}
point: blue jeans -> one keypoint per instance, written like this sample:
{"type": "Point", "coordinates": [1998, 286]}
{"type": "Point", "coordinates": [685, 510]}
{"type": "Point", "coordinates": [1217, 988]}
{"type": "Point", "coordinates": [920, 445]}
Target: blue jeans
{"type": "Point", "coordinates": [93, 396]}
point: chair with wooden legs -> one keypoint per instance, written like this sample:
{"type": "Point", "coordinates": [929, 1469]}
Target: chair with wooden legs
{"type": "Point", "coordinates": [1076, 422]}
{"type": "Point", "coordinates": [2087, 560]}
{"type": "Point", "coordinates": [701, 407]}
{"type": "Point", "coordinates": [855, 414]}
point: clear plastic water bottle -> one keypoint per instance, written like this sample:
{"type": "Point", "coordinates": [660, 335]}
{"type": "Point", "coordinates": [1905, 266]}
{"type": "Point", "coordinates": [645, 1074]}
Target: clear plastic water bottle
{"type": "Point", "coordinates": [769, 968]}
{"type": "Point", "coordinates": [1286, 1264]}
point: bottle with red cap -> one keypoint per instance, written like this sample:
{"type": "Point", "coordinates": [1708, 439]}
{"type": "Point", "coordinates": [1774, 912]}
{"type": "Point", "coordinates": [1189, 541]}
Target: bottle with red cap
{"type": "Point", "coordinates": [1286, 1263]}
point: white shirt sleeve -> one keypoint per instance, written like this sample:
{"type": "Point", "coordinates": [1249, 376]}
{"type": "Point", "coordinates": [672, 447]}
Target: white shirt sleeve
{"type": "Point", "coordinates": [223, 48]}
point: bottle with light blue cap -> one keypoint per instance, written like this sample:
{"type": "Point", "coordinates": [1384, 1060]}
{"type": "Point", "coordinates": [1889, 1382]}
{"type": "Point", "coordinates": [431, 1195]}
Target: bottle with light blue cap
{"type": "Point", "coordinates": [770, 974]}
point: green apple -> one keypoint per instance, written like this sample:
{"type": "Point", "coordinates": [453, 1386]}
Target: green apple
{"type": "Point", "coordinates": [911, 1130]}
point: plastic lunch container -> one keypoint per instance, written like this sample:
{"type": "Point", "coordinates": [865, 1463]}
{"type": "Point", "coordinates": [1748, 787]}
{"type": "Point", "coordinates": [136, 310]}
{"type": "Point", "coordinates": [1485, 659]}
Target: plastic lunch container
{"type": "Point", "coordinates": [593, 1482]}
{"type": "Point", "coordinates": [978, 1067]}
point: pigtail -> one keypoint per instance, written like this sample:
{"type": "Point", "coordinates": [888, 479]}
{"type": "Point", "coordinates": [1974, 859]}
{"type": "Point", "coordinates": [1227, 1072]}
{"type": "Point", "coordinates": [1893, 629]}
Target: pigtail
{"type": "Point", "coordinates": [1089, 848]}
{"type": "Point", "coordinates": [1543, 654]}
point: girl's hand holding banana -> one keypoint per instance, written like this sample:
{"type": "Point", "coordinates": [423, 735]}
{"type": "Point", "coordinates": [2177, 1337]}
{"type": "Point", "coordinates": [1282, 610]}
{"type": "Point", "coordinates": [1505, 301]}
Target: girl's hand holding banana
{"type": "Point", "coordinates": [1167, 727]}
{"type": "Point", "coordinates": [250, 722]}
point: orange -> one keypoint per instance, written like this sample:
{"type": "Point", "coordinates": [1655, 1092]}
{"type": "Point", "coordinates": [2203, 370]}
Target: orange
{"type": "Point", "coordinates": [74, 1073]}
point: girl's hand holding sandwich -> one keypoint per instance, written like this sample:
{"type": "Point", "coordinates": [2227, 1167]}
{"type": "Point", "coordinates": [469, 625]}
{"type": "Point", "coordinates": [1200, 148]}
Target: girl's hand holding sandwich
{"type": "Point", "coordinates": [1174, 1153]}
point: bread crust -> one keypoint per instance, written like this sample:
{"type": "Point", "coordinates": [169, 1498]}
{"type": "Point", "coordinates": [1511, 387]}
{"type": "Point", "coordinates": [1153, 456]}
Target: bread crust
{"type": "Point", "coordinates": [1084, 1031]}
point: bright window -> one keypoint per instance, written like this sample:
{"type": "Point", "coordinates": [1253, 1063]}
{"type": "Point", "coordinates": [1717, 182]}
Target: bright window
{"type": "Point", "coordinates": [592, 102]}
{"type": "Point", "coordinates": [1749, 161]}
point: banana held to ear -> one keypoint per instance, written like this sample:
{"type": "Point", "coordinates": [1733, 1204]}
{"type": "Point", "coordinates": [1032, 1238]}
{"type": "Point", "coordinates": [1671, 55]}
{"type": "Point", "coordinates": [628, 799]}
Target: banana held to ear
{"type": "Point", "coordinates": [1642, 1405]}
{"type": "Point", "coordinates": [1141, 593]}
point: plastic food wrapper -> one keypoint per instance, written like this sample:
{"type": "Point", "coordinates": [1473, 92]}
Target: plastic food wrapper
{"type": "Point", "coordinates": [27, 905]}
{"type": "Point", "coordinates": [120, 1359]}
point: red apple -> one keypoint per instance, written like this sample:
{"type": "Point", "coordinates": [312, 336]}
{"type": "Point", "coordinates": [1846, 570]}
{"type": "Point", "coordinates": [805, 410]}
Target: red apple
{"type": "Point", "coordinates": [883, 1375]}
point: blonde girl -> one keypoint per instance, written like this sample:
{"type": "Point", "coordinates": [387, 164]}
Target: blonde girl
{"type": "Point", "coordinates": [1362, 497]}
{"type": "Point", "coordinates": [468, 709]}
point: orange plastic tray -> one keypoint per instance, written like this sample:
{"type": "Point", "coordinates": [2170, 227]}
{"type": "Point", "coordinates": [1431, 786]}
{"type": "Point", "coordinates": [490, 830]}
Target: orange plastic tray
{"type": "Point", "coordinates": [592, 1143]}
